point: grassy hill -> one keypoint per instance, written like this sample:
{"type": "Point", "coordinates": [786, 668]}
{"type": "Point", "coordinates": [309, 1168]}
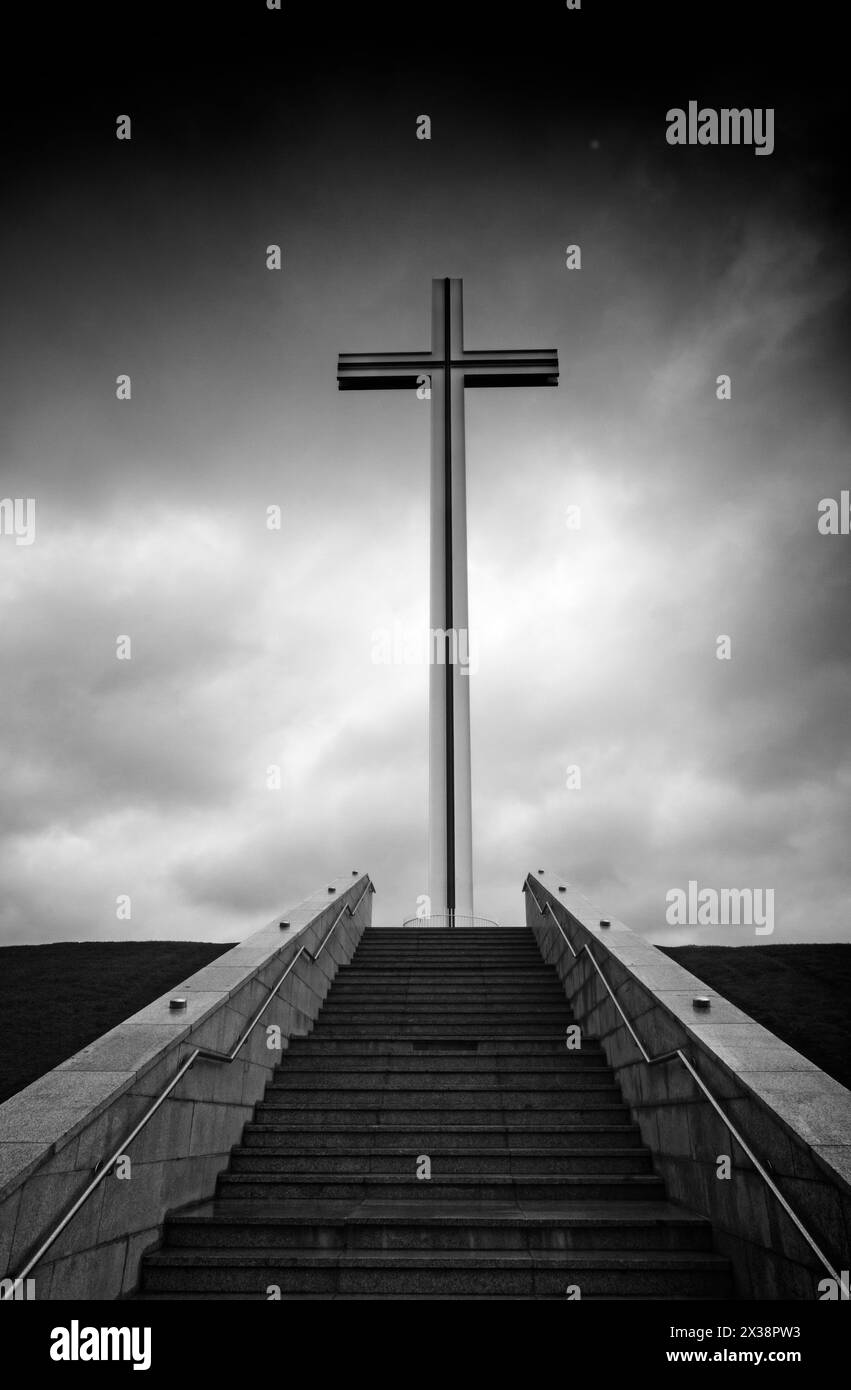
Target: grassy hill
{"type": "Point", "coordinates": [56, 999]}
{"type": "Point", "coordinates": [802, 993]}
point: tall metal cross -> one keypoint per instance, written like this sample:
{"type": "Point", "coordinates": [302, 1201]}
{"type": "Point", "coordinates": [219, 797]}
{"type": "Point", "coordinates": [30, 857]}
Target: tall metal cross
{"type": "Point", "coordinates": [446, 370]}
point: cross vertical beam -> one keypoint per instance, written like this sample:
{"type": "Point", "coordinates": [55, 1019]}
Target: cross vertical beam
{"type": "Point", "coordinates": [450, 786]}
{"type": "Point", "coordinates": [442, 322]}
{"type": "Point", "coordinates": [450, 369]}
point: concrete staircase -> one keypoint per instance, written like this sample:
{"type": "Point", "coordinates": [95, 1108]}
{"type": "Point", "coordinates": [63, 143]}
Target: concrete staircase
{"type": "Point", "coordinates": [451, 1046]}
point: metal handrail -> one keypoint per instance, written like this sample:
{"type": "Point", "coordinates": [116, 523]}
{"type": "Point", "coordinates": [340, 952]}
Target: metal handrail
{"type": "Point", "coordinates": [204, 1054]}
{"type": "Point", "coordinates": [680, 1055]}
{"type": "Point", "coordinates": [208, 1054]}
{"type": "Point", "coordinates": [451, 921]}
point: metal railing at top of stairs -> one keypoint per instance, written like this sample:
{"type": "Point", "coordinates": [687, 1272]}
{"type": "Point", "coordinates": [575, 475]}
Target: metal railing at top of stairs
{"type": "Point", "coordinates": [451, 921]}
{"type": "Point", "coordinates": [679, 1055]}
{"type": "Point", "coordinates": [204, 1054]}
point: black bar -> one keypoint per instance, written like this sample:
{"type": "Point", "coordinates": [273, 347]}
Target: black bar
{"type": "Point", "coordinates": [450, 671]}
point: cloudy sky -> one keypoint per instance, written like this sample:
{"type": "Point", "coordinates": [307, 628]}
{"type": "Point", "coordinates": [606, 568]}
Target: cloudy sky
{"type": "Point", "coordinates": [253, 649]}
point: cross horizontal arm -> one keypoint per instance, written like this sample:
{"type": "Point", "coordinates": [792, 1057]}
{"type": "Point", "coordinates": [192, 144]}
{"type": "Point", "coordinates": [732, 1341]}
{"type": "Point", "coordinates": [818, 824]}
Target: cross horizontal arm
{"type": "Point", "coordinates": [365, 371]}
{"type": "Point", "coordinates": [399, 370]}
{"type": "Point", "coordinates": [529, 367]}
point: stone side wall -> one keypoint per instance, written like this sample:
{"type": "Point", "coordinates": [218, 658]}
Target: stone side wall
{"type": "Point", "coordinates": [795, 1118]}
{"type": "Point", "coordinates": [53, 1133]}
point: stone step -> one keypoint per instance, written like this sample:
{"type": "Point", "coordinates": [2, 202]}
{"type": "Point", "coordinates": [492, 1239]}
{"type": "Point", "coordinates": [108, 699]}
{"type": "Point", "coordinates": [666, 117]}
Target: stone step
{"type": "Point", "coordinates": [531, 982]}
{"type": "Point", "coordinates": [462, 1188]}
{"type": "Point", "coordinates": [513, 976]}
{"type": "Point", "coordinates": [436, 1044]}
{"type": "Point", "coordinates": [351, 991]}
{"type": "Point", "coordinates": [452, 981]}
{"type": "Point", "coordinates": [356, 1138]}
{"type": "Point", "coordinates": [589, 1090]}
{"type": "Point", "coordinates": [472, 1064]}
{"type": "Point", "coordinates": [527, 954]}
{"type": "Point", "coordinates": [495, 953]}
{"type": "Point", "coordinates": [475, 957]}
{"type": "Point", "coordinates": [591, 1110]}
{"type": "Point", "coordinates": [443, 1001]}
{"type": "Point", "coordinates": [402, 1162]}
{"type": "Point", "coordinates": [486, 1027]}
{"type": "Point", "coordinates": [486, 947]}
{"type": "Point", "coordinates": [527, 958]}
{"type": "Point", "coordinates": [439, 1006]}
{"type": "Point", "coordinates": [480, 1032]}
{"type": "Point", "coordinates": [486, 1015]}
{"type": "Point", "coordinates": [263, 1297]}
{"type": "Point", "coordinates": [414, 968]}
{"type": "Point", "coordinates": [452, 1023]}
{"type": "Point", "coordinates": [470, 960]}
{"type": "Point", "coordinates": [504, 1272]}
{"type": "Point", "coordinates": [484, 951]}
{"type": "Point", "coordinates": [370, 950]}
{"type": "Point", "coordinates": [472, 1079]}
{"type": "Point", "coordinates": [566, 1226]}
